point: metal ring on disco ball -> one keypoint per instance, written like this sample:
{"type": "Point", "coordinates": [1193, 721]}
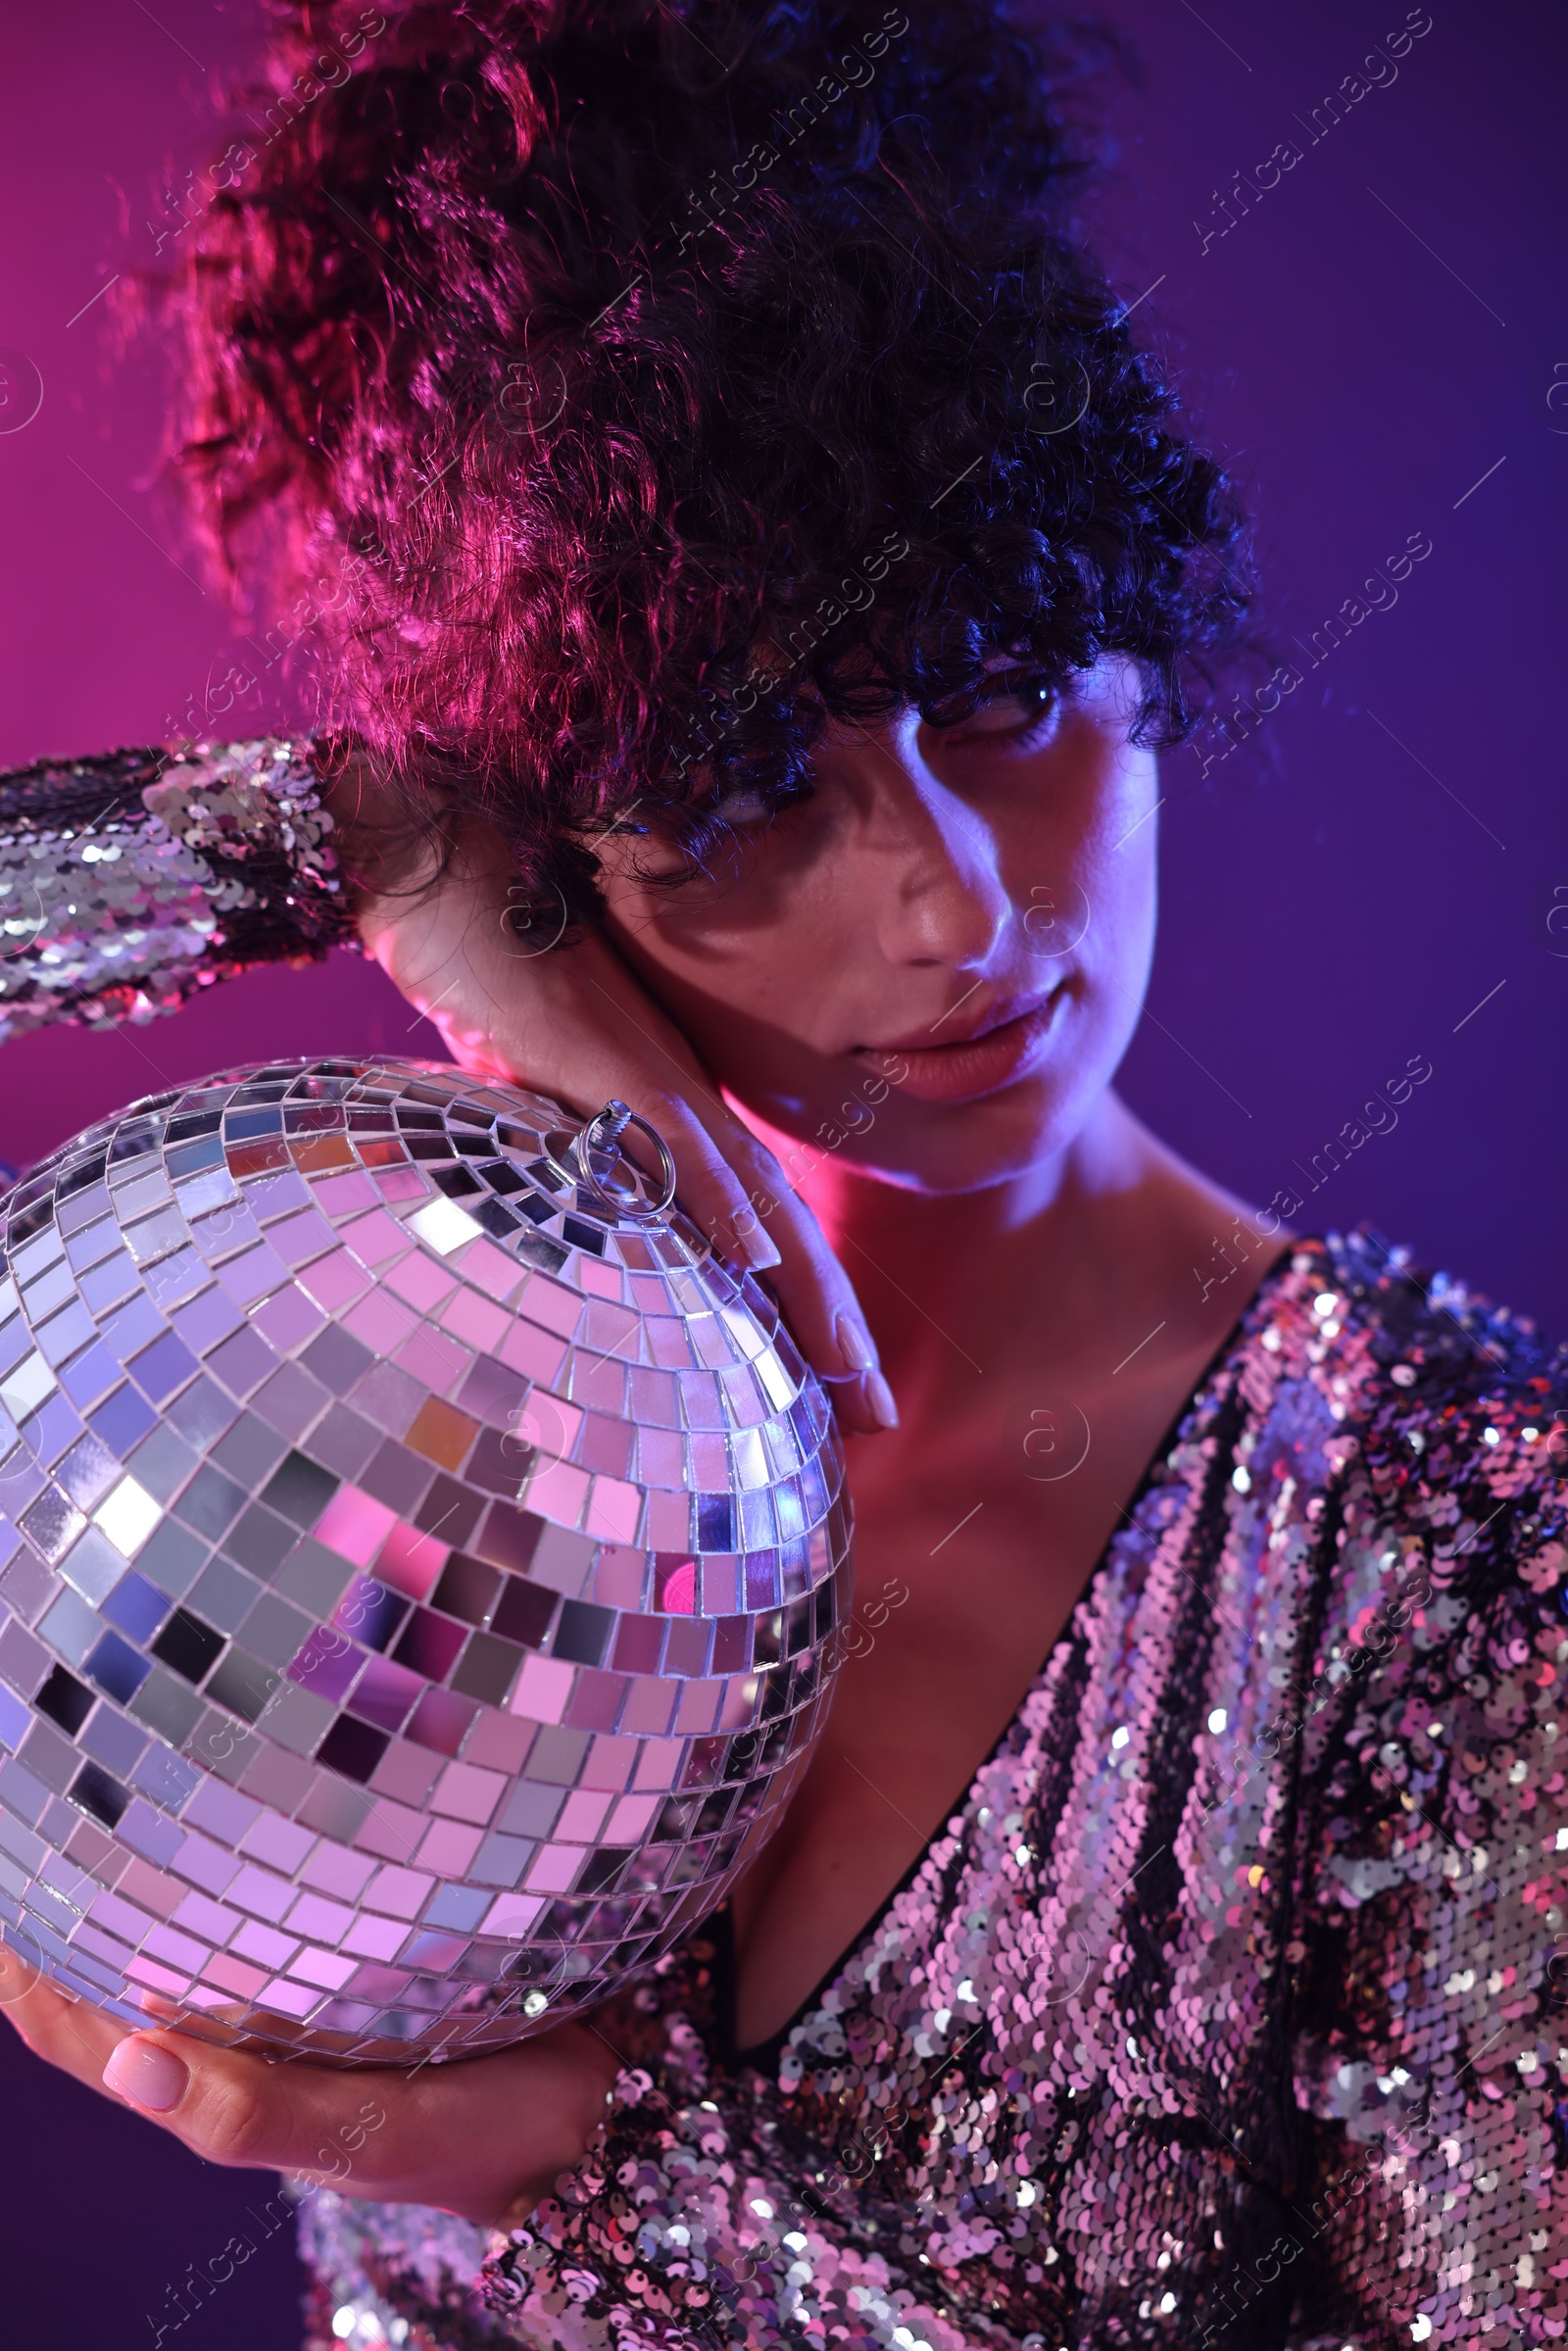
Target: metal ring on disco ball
{"type": "Point", "coordinates": [420, 1562]}
{"type": "Point", "coordinates": [595, 1153]}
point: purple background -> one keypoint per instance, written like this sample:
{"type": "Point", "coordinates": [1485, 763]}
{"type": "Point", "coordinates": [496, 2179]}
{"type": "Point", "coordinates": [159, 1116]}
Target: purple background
{"type": "Point", "coordinates": [1372, 340]}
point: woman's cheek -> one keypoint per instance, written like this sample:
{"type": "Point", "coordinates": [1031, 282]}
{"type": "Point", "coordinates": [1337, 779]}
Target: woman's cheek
{"type": "Point", "coordinates": [1119, 881]}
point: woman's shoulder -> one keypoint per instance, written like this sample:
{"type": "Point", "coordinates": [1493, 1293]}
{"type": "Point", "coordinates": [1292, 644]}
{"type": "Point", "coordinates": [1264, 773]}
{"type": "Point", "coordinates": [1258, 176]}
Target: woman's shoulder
{"type": "Point", "coordinates": [1407, 1354]}
{"type": "Point", "coordinates": [1434, 1373]}
{"type": "Point", "coordinates": [1443, 1429]}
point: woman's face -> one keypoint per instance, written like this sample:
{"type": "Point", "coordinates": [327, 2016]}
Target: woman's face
{"type": "Point", "coordinates": [931, 966]}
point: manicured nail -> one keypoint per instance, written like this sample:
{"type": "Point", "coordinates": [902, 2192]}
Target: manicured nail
{"type": "Point", "coordinates": [855, 1344]}
{"type": "Point", "coordinates": [879, 1396]}
{"type": "Point", "coordinates": [146, 2074]}
{"type": "Point", "coordinates": [755, 1248]}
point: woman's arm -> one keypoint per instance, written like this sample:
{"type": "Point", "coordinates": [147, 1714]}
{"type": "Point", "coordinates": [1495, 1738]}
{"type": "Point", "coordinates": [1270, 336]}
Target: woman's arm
{"type": "Point", "coordinates": [131, 879]}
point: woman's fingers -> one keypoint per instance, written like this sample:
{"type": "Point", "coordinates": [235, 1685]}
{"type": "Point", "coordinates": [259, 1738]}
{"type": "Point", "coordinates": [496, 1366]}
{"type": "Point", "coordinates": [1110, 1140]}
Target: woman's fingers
{"type": "Point", "coordinates": [485, 2139]}
{"type": "Point", "coordinates": [733, 1187]}
{"type": "Point", "coordinates": [577, 1023]}
{"type": "Point", "coordinates": [814, 1291]}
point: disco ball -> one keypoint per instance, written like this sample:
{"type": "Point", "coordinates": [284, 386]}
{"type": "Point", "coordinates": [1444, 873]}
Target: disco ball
{"type": "Point", "coordinates": [421, 1561]}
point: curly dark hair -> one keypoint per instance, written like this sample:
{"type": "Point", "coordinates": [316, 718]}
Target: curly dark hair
{"type": "Point", "coordinates": [653, 376]}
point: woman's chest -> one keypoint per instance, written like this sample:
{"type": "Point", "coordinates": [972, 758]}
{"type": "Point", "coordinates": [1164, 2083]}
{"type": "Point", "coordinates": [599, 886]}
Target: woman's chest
{"type": "Point", "coordinates": [970, 1558]}
{"type": "Point", "coordinates": [1093, 1958]}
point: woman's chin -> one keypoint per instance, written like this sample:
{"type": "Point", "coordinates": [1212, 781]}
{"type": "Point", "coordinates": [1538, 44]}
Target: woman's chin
{"type": "Point", "coordinates": [948, 1147]}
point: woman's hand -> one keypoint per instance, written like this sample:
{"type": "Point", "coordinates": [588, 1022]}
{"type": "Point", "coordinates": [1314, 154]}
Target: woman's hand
{"type": "Point", "coordinates": [572, 1021]}
{"type": "Point", "coordinates": [485, 2137]}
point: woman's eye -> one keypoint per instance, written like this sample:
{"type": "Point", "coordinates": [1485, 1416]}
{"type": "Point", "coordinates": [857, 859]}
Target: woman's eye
{"type": "Point", "coordinates": [1023, 714]}
{"type": "Point", "coordinates": [741, 810]}
{"type": "Point", "coordinates": [1018, 715]}
{"type": "Point", "coordinates": [683, 845]}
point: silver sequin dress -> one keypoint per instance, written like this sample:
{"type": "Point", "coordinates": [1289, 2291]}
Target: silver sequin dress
{"type": "Point", "coordinates": [1230, 2006]}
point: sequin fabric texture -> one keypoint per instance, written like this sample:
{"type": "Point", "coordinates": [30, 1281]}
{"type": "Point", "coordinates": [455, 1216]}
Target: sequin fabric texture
{"type": "Point", "coordinates": [1228, 2008]}
{"type": "Point", "coordinates": [418, 1574]}
{"type": "Point", "coordinates": [129, 880]}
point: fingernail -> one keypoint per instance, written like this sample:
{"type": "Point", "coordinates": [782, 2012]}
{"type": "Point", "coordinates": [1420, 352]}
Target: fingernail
{"type": "Point", "coordinates": [879, 1396]}
{"type": "Point", "coordinates": [146, 2074]}
{"type": "Point", "coordinates": [855, 1344]}
{"type": "Point", "coordinates": [755, 1247]}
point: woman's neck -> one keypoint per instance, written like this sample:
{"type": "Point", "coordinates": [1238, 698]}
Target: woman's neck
{"type": "Point", "coordinates": [1066, 1263]}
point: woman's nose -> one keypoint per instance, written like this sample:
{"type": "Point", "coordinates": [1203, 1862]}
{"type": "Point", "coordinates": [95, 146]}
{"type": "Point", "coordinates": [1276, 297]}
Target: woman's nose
{"type": "Point", "coordinates": [937, 895]}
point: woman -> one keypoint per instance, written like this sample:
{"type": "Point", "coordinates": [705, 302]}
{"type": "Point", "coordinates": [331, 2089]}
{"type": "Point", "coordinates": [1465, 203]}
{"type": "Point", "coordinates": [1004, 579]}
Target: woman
{"type": "Point", "coordinates": [757, 571]}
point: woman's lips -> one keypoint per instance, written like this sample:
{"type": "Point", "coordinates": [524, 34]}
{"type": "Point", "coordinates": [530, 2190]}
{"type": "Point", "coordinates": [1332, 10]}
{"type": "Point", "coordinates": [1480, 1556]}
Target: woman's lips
{"type": "Point", "coordinates": [971, 1066]}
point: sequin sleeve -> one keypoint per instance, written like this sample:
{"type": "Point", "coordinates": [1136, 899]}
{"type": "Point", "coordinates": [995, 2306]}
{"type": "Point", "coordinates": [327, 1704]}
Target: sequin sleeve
{"type": "Point", "coordinates": [129, 880]}
{"type": "Point", "coordinates": [1430, 1950]}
